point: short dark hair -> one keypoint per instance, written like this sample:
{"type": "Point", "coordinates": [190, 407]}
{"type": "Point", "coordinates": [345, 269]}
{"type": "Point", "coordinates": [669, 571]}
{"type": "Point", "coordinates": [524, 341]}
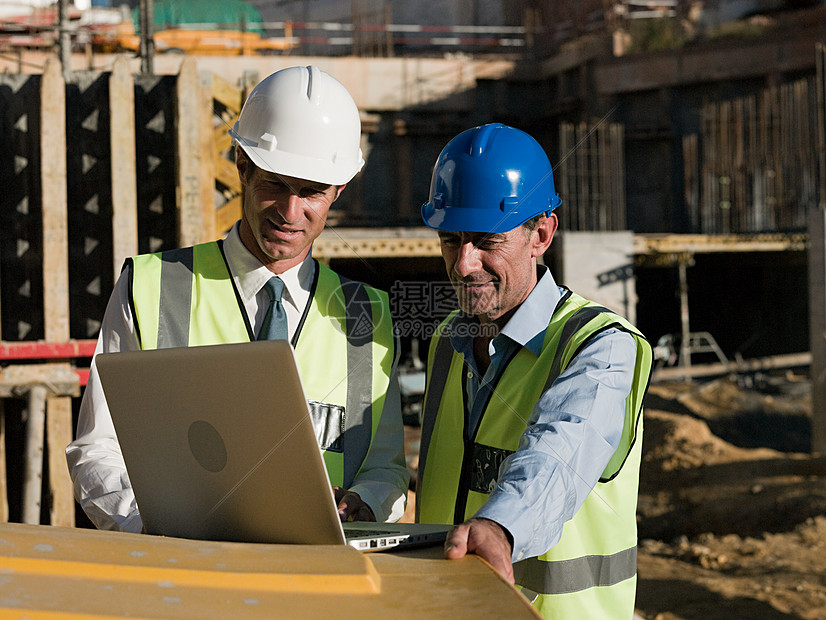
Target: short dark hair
{"type": "Point", "coordinates": [531, 223]}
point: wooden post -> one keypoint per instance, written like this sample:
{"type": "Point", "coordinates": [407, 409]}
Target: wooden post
{"type": "Point", "coordinates": [817, 265]}
{"type": "Point", "coordinates": [189, 157]}
{"type": "Point", "coordinates": [55, 227]}
{"type": "Point", "coordinates": [64, 37]}
{"type": "Point", "coordinates": [207, 181]}
{"type": "Point", "coordinates": [55, 288]}
{"type": "Point", "coordinates": [817, 324]}
{"type": "Point", "coordinates": [820, 98]}
{"type": "Point", "coordinates": [685, 351]}
{"type": "Point", "coordinates": [124, 173]}
{"type": "Point", "coordinates": [147, 44]}
{"type": "Point", "coordinates": [59, 434]}
{"type": "Point", "coordinates": [33, 469]}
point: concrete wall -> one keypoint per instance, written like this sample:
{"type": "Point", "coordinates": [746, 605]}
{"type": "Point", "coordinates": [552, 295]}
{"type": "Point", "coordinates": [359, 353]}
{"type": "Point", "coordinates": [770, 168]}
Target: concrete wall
{"type": "Point", "coordinates": [598, 266]}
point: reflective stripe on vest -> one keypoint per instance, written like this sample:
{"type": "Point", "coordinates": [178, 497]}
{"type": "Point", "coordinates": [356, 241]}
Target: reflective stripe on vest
{"type": "Point", "coordinates": [176, 299]}
{"type": "Point", "coordinates": [588, 555]}
{"type": "Point", "coordinates": [186, 297]}
{"type": "Point", "coordinates": [567, 576]}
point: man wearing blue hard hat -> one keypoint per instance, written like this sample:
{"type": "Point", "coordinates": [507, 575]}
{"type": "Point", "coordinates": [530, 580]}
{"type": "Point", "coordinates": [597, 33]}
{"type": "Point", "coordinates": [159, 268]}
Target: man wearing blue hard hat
{"type": "Point", "coordinates": [532, 422]}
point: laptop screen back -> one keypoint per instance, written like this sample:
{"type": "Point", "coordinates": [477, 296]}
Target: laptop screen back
{"type": "Point", "coordinates": [219, 444]}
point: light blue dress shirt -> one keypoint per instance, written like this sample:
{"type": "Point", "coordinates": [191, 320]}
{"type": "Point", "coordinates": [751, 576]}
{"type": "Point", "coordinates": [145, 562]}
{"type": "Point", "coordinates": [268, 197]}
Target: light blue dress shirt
{"type": "Point", "coordinates": [572, 432]}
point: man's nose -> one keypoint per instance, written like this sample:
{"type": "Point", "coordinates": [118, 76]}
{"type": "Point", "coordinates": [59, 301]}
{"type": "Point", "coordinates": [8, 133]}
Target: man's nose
{"type": "Point", "coordinates": [291, 206]}
{"type": "Point", "coordinates": [467, 260]}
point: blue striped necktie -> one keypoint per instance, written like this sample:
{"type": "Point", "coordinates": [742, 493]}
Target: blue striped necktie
{"type": "Point", "coordinates": [274, 326]}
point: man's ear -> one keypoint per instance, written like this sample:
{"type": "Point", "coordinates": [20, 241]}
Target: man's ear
{"type": "Point", "coordinates": [241, 164]}
{"type": "Point", "coordinates": [543, 234]}
{"type": "Point", "coordinates": [339, 189]}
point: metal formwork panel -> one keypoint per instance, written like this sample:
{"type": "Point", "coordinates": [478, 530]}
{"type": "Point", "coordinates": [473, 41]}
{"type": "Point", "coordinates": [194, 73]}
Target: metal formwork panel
{"type": "Point", "coordinates": [155, 164]}
{"type": "Point", "coordinates": [21, 229]}
{"type": "Point", "coordinates": [89, 194]}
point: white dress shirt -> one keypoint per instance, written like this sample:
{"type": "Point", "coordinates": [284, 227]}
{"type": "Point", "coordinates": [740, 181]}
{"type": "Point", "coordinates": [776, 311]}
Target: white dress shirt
{"type": "Point", "coordinates": [101, 484]}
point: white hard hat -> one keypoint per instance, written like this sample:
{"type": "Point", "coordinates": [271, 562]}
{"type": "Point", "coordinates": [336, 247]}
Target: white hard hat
{"type": "Point", "coordinates": [301, 122]}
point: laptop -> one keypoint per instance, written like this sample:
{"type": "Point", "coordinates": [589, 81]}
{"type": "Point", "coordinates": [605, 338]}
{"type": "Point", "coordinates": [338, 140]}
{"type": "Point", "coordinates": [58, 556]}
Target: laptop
{"type": "Point", "coordinates": [219, 445]}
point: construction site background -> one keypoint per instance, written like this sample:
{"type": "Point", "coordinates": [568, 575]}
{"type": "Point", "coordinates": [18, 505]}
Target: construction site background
{"type": "Point", "coordinates": [697, 172]}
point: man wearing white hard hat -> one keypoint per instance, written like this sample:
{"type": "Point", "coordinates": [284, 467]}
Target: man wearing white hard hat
{"type": "Point", "coordinates": [297, 146]}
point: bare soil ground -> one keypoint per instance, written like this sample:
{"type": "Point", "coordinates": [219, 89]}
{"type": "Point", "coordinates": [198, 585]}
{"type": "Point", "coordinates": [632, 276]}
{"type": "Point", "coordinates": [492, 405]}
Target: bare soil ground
{"type": "Point", "coordinates": [732, 508]}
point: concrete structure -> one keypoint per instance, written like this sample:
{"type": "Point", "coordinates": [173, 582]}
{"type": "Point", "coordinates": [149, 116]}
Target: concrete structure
{"type": "Point", "coordinates": [377, 84]}
{"type": "Point", "coordinates": [598, 266]}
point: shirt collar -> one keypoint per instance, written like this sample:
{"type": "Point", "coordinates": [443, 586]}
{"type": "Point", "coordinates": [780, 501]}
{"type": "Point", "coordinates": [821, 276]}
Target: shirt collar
{"type": "Point", "coordinates": [250, 274]}
{"type": "Point", "coordinates": [528, 324]}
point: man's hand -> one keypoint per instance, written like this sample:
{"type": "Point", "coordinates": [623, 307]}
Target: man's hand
{"type": "Point", "coordinates": [485, 538]}
{"type": "Point", "coordinates": [351, 507]}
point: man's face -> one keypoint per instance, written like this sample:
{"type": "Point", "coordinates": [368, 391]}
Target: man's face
{"type": "Point", "coordinates": [494, 273]}
{"type": "Point", "coordinates": [282, 216]}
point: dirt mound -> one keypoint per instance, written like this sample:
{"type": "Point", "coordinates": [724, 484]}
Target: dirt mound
{"type": "Point", "coordinates": [727, 530]}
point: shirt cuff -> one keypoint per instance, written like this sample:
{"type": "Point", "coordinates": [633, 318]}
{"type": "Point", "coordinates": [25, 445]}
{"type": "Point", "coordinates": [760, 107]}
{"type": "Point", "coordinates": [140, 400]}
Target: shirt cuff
{"type": "Point", "coordinates": [390, 510]}
{"type": "Point", "coordinates": [519, 524]}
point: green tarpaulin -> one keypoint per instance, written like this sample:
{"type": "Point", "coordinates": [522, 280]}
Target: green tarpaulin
{"type": "Point", "coordinates": [191, 14]}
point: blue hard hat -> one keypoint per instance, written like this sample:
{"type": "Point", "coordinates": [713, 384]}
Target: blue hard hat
{"type": "Point", "coordinates": [490, 179]}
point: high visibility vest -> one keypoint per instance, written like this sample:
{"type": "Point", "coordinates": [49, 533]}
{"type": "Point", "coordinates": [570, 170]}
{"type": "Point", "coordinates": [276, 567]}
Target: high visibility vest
{"type": "Point", "coordinates": [591, 571]}
{"type": "Point", "coordinates": [344, 344]}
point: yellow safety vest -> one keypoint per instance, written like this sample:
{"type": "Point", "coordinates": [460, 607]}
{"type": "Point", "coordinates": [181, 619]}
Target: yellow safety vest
{"type": "Point", "coordinates": [591, 571]}
{"type": "Point", "coordinates": [344, 344]}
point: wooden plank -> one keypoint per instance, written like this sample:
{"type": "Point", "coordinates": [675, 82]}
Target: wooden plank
{"type": "Point", "coordinates": [740, 205]}
{"type": "Point", "coordinates": [788, 360]}
{"type": "Point", "coordinates": [207, 169]}
{"type": "Point", "coordinates": [58, 436]}
{"type": "Point", "coordinates": [15, 380]}
{"type": "Point", "coordinates": [222, 141]}
{"type": "Point", "coordinates": [225, 171]}
{"type": "Point", "coordinates": [601, 175]}
{"type": "Point", "coordinates": [227, 174]}
{"type": "Point", "coordinates": [752, 159]}
{"type": "Point", "coordinates": [724, 172]}
{"type": "Point", "coordinates": [376, 243]}
{"type": "Point", "coordinates": [33, 463]}
{"type": "Point", "coordinates": [691, 182]}
{"type": "Point", "coordinates": [709, 160]}
{"type": "Point", "coordinates": [706, 244]}
{"type": "Point", "coordinates": [124, 171]}
{"type": "Point", "coordinates": [227, 95]}
{"type": "Point", "coordinates": [227, 214]}
{"type": "Point", "coordinates": [618, 159]}
{"type": "Point", "coordinates": [364, 248]}
{"type": "Point", "coordinates": [776, 155]}
{"type": "Point", "coordinates": [583, 193]}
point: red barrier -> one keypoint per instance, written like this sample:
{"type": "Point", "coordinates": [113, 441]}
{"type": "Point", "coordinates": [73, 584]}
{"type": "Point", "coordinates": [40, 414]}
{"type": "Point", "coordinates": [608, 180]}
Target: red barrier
{"type": "Point", "coordinates": [39, 350]}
